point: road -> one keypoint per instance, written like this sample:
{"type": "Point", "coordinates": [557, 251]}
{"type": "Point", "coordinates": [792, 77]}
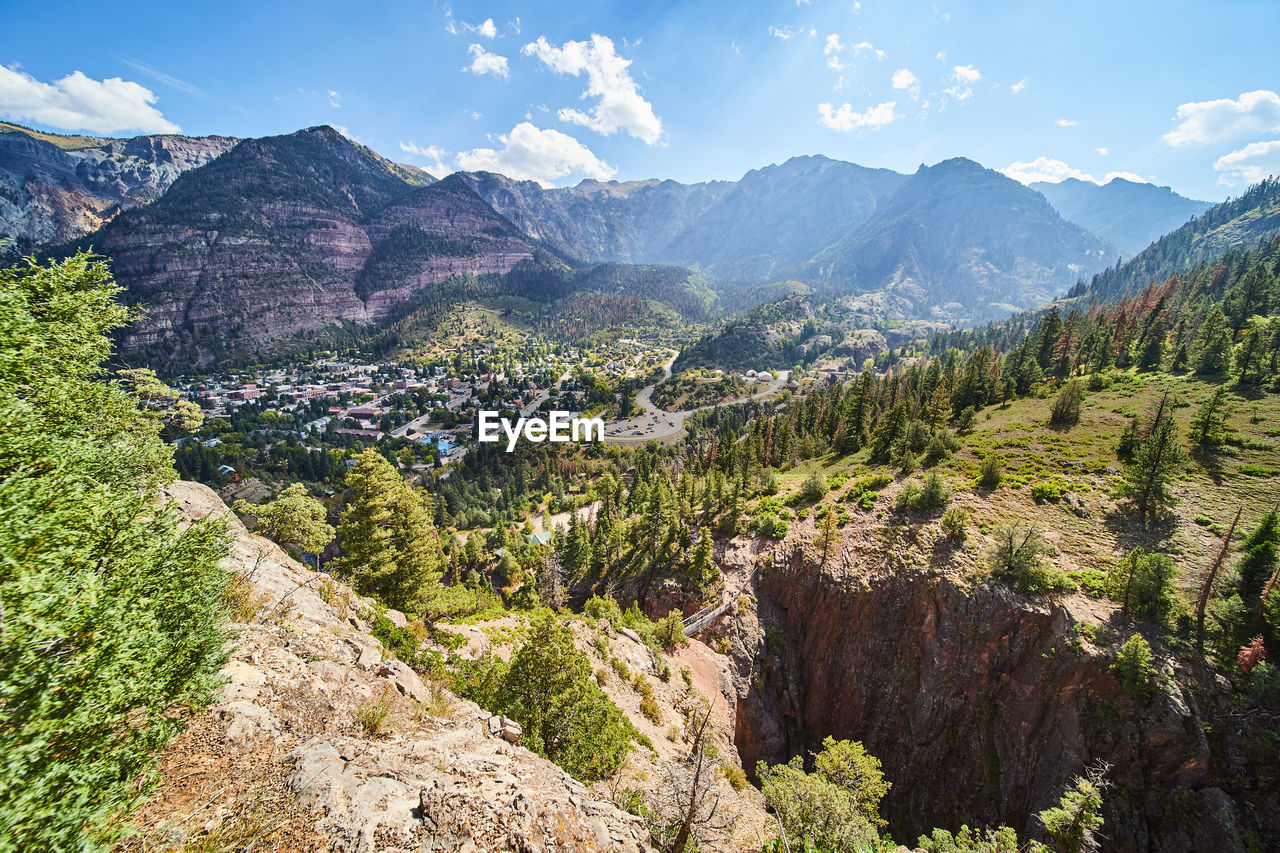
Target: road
{"type": "Point", "coordinates": [658, 424]}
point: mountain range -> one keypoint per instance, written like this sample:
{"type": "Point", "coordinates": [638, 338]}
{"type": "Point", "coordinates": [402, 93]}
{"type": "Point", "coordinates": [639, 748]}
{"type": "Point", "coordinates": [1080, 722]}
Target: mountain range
{"type": "Point", "coordinates": [234, 244]}
{"type": "Point", "coordinates": [1128, 214]}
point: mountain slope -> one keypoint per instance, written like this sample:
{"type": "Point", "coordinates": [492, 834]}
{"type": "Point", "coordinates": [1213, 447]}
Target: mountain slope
{"type": "Point", "coordinates": [1130, 215]}
{"type": "Point", "coordinates": [778, 217]}
{"type": "Point", "coordinates": [54, 188]}
{"type": "Point", "coordinates": [599, 221]}
{"type": "Point", "coordinates": [288, 234]}
{"type": "Point", "coordinates": [962, 243]}
{"type": "Point", "coordinates": [1234, 224]}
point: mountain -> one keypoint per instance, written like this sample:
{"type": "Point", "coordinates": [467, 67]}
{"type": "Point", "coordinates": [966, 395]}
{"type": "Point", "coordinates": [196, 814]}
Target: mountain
{"type": "Point", "coordinates": [771, 220]}
{"type": "Point", "coordinates": [1237, 223]}
{"type": "Point", "coordinates": [290, 234]}
{"type": "Point", "coordinates": [1130, 215]}
{"type": "Point", "coordinates": [630, 221]}
{"type": "Point", "coordinates": [961, 243]}
{"type": "Point", "coordinates": [778, 217]}
{"type": "Point", "coordinates": [55, 188]}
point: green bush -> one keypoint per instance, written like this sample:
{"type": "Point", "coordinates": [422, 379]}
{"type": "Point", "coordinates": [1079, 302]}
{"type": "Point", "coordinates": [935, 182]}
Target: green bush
{"type": "Point", "coordinates": [1049, 490]}
{"type": "Point", "coordinates": [834, 808]}
{"type": "Point", "coordinates": [954, 523]}
{"type": "Point", "coordinates": [1134, 665]}
{"type": "Point", "coordinates": [1065, 410]}
{"type": "Point", "coordinates": [112, 610]}
{"type": "Point", "coordinates": [549, 690]}
{"type": "Point", "coordinates": [932, 492]}
{"type": "Point", "coordinates": [814, 487]}
{"type": "Point", "coordinates": [1017, 556]}
{"type": "Point", "coordinates": [991, 474]}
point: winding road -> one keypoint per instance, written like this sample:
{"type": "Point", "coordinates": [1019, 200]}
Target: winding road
{"type": "Point", "coordinates": [660, 425]}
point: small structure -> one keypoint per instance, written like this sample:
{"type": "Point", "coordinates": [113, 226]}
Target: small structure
{"type": "Point", "coordinates": [542, 537]}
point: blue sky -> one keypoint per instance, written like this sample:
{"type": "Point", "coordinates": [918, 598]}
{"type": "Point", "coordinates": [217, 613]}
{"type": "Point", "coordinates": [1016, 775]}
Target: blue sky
{"type": "Point", "coordinates": [1180, 94]}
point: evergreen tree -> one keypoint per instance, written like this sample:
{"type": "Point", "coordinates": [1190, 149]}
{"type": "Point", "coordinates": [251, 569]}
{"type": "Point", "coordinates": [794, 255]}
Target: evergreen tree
{"type": "Point", "coordinates": [1210, 422]}
{"type": "Point", "coordinates": [294, 519]}
{"type": "Point", "coordinates": [389, 542]}
{"type": "Point", "coordinates": [1157, 461]}
{"type": "Point", "coordinates": [1213, 345]}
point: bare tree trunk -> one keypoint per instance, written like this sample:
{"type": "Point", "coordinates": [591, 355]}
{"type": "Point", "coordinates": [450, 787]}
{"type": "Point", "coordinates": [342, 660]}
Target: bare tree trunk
{"type": "Point", "coordinates": [1208, 583]}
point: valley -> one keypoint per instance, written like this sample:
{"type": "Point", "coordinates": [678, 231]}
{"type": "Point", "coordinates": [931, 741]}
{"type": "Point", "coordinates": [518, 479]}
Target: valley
{"type": "Point", "coordinates": [934, 512]}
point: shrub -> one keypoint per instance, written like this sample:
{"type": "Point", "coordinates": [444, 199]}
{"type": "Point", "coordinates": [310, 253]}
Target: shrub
{"type": "Point", "coordinates": [834, 808]}
{"type": "Point", "coordinates": [1017, 556]}
{"type": "Point", "coordinates": [735, 776]}
{"type": "Point", "coordinates": [1049, 490]}
{"type": "Point", "coordinates": [565, 715]}
{"type": "Point", "coordinates": [992, 473]}
{"type": "Point", "coordinates": [814, 487]}
{"type": "Point", "coordinates": [1145, 584]}
{"type": "Point", "coordinates": [954, 523]}
{"type": "Point", "coordinates": [1134, 665]}
{"type": "Point", "coordinates": [1065, 410]}
{"type": "Point", "coordinates": [770, 525]}
{"type": "Point", "coordinates": [112, 608]}
{"type": "Point", "coordinates": [942, 445]}
{"type": "Point", "coordinates": [669, 632]}
{"type": "Point", "coordinates": [649, 707]}
{"type": "Point", "coordinates": [930, 493]}
{"type": "Point", "coordinates": [604, 607]}
{"type": "Point", "coordinates": [372, 714]}
{"type": "Point", "coordinates": [1093, 582]}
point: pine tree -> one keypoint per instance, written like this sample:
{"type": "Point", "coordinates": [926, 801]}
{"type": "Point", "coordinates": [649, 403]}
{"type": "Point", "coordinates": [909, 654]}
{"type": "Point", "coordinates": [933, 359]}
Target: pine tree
{"type": "Point", "coordinates": [1213, 345]}
{"type": "Point", "coordinates": [294, 519]}
{"type": "Point", "coordinates": [1157, 461]}
{"type": "Point", "coordinates": [1210, 422]}
{"type": "Point", "coordinates": [389, 542]}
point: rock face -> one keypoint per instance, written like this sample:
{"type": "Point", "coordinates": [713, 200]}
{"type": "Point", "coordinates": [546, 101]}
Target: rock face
{"type": "Point", "coordinates": [54, 188]}
{"type": "Point", "coordinates": [978, 702]}
{"type": "Point", "coordinates": [290, 234]}
{"type": "Point", "coordinates": [288, 732]}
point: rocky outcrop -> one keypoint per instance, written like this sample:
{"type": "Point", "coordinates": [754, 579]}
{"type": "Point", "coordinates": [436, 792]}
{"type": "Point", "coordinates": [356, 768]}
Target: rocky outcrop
{"type": "Point", "coordinates": [981, 704]}
{"type": "Point", "coordinates": [291, 234]}
{"type": "Point", "coordinates": [326, 742]}
{"type": "Point", "coordinates": [55, 188]}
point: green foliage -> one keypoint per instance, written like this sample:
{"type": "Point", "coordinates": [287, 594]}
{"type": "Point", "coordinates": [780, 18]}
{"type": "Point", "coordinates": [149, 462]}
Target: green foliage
{"type": "Point", "coordinates": [389, 542]}
{"type": "Point", "coordinates": [954, 523]}
{"type": "Point", "coordinates": [669, 632]}
{"type": "Point", "coordinates": [1073, 824]}
{"type": "Point", "coordinates": [865, 490]}
{"type": "Point", "coordinates": [814, 487]}
{"type": "Point", "coordinates": [834, 808]}
{"type": "Point", "coordinates": [1145, 585]}
{"type": "Point", "coordinates": [768, 524]}
{"type": "Point", "coordinates": [1134, 665]}
{"type": "Point", "coordinates": [1051, 490]}
{"type": "Point", "coordinates": [932, 492]}
{"type": "Point", "coordinates": [566, 717]}
{"type": "Point", "coordinates": [1210, 423]}
{"type": "Point", "coordinates": [294, 519]}
{"type": "Point", "coordinates": [992, 473]}
{"type": "Point", "coordinates": [1000, 840]}
{"type": "Point", "coordinates": [1017, 556]}
{"type": "Point", "coordinates": [1156, 462]}
{"type": "Point", "coordinates": [1065, 410]}
{"type": "Point", "coordinates": [112, 628]}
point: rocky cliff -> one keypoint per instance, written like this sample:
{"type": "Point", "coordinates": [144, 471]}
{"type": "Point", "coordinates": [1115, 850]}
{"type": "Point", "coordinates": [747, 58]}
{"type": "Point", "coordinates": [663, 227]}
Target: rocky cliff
{"type": "Point", "coordinates": [54, 188]}
{"type": "Point", "coordinates": [981, 704]}
{"type": "Point", "coordinates": [284, 761]}
{"type": "Point", "coordinates": [290, 234]}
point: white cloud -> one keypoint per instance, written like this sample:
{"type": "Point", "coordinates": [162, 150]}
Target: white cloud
{"type": "Point", "coordinates": [1251, 164]}
{"type": "Point", "coordinates": [1208, 121]}
{"type": "Point", "coordinates": [1019, 86]}
{"type": "Point", "coordinates": [868, 46]}
{"type": "Point", "coordinates": [487, 29]}
{"type": "Point", "coordinates": [335, 100]}
{"type": "Point", "coordinates": [77, 102]}
{"type": "Point", "coordinates": [433, 156]}
{"type": "Point", "coordinates": [785, 33]}
{"type": "Point", "coordinates": [529, 153]}
{"type": "Point", "coordinates": [904, 79]}
{"type": "Point", "coordinates": [833, 50]}
{"type": "Point", "coordinates": [1066, 122]}
{"type": "Point", "coordinates": [484, 62]}
{"type": "Point", "coordinates": [1103, 151]}
{"type": "Point", "coordinates": [845, 119]}
{"type": "Point", "coordinates": [620, 105]}
{"type": "Point", "coordinates": [962, 79]}
{"type": "Point", "coordinates": [1055, 171]}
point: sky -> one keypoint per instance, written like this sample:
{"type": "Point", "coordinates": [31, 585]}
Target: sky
{"type": "Point", "coordinates": [1175, 93]}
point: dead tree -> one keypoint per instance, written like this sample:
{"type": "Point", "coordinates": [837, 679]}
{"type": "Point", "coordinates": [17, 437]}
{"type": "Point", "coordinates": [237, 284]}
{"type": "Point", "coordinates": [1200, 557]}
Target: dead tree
{"type": "Point", "coordinates": [1208, 583]}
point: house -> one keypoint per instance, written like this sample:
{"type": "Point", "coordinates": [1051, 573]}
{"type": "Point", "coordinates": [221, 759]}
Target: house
{"type": "Point", "coordinates": [542, 537]}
